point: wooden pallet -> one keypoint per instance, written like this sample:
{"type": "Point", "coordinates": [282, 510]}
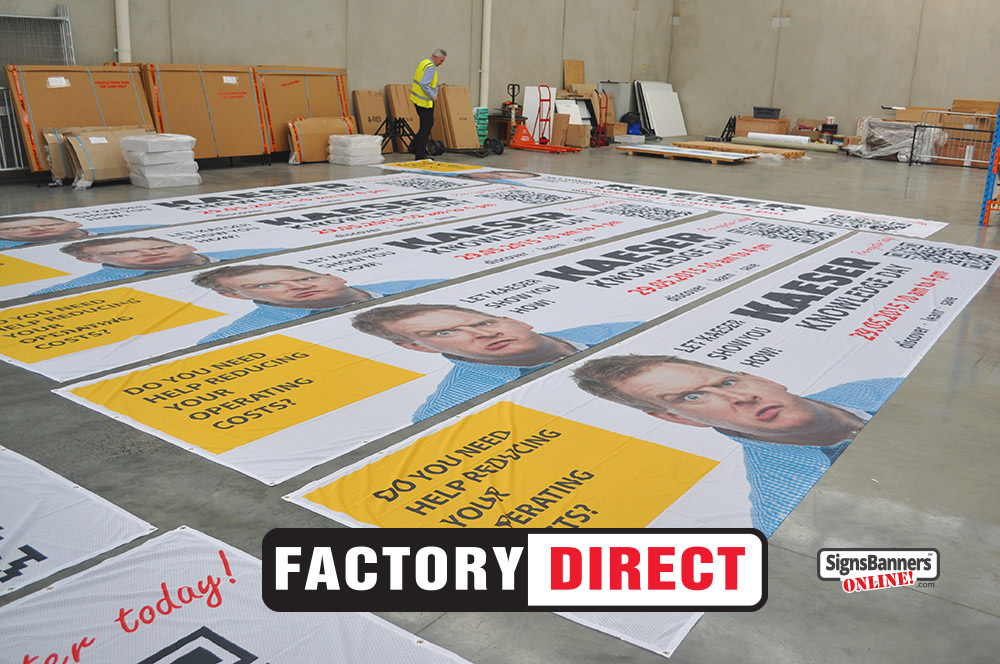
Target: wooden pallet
{"type": "Point", "coordinates": [787, 153]}
{"type": "Point", "coordinates": [686, 153]}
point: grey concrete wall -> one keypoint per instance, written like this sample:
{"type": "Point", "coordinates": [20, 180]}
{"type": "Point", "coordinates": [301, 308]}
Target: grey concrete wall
{"type": "Point", "coordinates": [844, 58]}
{"type": "Point", "coordinates": [387, 38]}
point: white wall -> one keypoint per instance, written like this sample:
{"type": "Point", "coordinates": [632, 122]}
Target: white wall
{"type": "Point", "coordinates": [832, 57]}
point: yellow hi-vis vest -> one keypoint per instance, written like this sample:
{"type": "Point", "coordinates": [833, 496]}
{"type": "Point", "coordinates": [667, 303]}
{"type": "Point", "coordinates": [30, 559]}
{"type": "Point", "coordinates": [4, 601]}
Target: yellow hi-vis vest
{"type": "Point", "coordinates": [417, 94]}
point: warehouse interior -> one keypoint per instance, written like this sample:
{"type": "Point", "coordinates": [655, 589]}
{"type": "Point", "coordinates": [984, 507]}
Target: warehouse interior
{"type": "Point", "coordinates": [924, 473]}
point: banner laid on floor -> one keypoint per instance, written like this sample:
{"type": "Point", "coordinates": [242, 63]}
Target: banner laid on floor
{"type": "Point", "coordinates": [48, 524]}
{"type": "Point", "coordinates": [185, 597]}
{"type": "Point", "coordinates": [32, 228]}
{"type": "Point", "coordinates": [267, 406]}
{"type": "Point", "coordinates": [51, 268]}
{"type": "Point", "coordinates": [722, 417]}
{"type": "Point", "coordinates": [76, 336]}
{"type": "Point", "coordinates": [810, 214]}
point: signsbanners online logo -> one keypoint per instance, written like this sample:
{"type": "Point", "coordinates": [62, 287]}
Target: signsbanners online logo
{"type": "Point", "coordinates": [409, 569]}
{"type": "Point", "coordinates": [858, 570]}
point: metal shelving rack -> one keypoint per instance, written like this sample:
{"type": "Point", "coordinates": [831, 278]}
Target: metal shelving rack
{"type": "Point", "coordinates": [990, 194]}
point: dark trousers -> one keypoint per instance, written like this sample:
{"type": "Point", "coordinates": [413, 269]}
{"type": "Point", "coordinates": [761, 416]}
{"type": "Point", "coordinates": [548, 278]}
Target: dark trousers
{"type": "Point", "coordinates": [419, 145]}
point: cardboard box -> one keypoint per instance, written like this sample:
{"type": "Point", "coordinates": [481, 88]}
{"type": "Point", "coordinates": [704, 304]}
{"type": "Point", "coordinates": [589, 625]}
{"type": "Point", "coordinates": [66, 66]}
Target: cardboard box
{"type": "Point", "coordinates": [96, 153]}
{"type": "Point", "coordinates": [809, 124]}
{"type": "Point", "coordinates": [309, 138]}
{"type": "Point", "coordinates": [914, 113]}
{"type": "Point", "coordinates": [984, 106]}
{"type": "Point", "coordinates": [370, 113]}
{"type": "Point", "coordinates": [809, 127]}
{"type": "Point", "coordinates": [217, 105]}
{"type": "Point", "coordinates": [400, 106]}
{"type": "Point", "coordinates": [560, 123]}
{"type": "Point", "coordinates": [60, 96]}
{"type": "Point", "coordinates": [746, 124]}
{"type": "Point", "coordinates": [57, 152]}
{"type": "Point", "coordinates": [460, 119]}
{"type": "Point", "coordinates": [616, 129]}
{"type": "Point", "coordinates": [578, 136]}
{"type": "Point", "coordinates": [573, 72]}
{"type": "Point", "coordinates": [287, 93]}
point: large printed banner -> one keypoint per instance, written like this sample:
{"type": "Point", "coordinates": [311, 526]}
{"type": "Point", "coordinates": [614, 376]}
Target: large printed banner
{"type": "Point", "coordinates": [186, 598]}
{"type": "Point", "coordinates": [810, 214]}
{"type": "Point", "coordinates": [52, 268]}
{"type": "Point", "coordinates": [32, 228]}
{"type": "Point", "coordinates": [47, 523]}
{"type": "Point", "coordinates": [273, 406]}
{"type": "Point", "coordinates": [722, 417]}
{"type": "Point", "coordinates": [76, 336]}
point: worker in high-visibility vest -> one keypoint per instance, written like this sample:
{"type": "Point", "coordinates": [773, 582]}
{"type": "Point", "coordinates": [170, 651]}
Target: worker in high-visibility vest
{"type": "Point", "coordinates": [423, 92]}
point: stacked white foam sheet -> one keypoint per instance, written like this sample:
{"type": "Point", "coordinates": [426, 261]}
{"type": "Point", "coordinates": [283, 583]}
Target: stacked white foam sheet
{"type": "Point", "coordinates": [161, 160]}
{"type": "Point", "coordinates": [659, 108]}
{"type": "Point", "coordinates": [355, 150]}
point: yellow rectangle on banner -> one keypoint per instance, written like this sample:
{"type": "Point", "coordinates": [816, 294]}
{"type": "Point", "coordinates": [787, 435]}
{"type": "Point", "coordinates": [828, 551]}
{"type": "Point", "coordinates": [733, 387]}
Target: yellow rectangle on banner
{"type": "Point", "coordinates": [17, 271]}
{"type": "Point", "coordinates": [234, 395]}
{"type": "Point", "coordinates": [68, 325]}
{"type": "Point", "coordinates": [437, 166]}
{"type": "Point", "coordinates": [511, 466]}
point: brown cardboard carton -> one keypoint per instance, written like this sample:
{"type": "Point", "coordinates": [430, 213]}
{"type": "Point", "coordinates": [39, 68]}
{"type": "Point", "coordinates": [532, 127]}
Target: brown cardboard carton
{"type": "Point", "coordinates": [62, 96]}
{"type": "Point", "coordinates": [573, 72]}
{"type": "Point", "coordinates": [309, 138]}
{"type": "Point", "coordinates": [616, 129]}
{"type": "Point", "coordinates": [914, 113]}
{"type": "Point", "coordinates": [460, 119]}
{"type": "Point", "coordinates": [578, 136]}
{"type": "Point", "coordinates": [57, 152]}
{"type": "Point", "coordinates": [369, 110]}
{"type": "Point", "coordinates": [288, 93]}
{"type": "Point", "coordinates": [746, 124]}
{"type": "Point", "coordinates": [560, 124]}
{"type": "Point", "coordinates": [96, 153]}
{"type": "Point", "coordinates": [984, 106]}
{"type": "Point", "coordinates": [217, 105]}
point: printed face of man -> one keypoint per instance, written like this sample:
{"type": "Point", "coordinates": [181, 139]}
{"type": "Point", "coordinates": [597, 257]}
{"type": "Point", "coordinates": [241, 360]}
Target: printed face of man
{"type": "Point", "coordinates": [749, 405]}
{"type": "Point", "coordinates": [41, 229]}
{"type": "Point", "coordinates": [285, 287]}
{"type": "Point", "coordinates": [474, 337]}
{"type": "Point", "coordinates": [143, 254]}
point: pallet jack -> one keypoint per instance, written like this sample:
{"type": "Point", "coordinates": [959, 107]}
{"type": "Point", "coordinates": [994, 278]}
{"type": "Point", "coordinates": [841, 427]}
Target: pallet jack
{"type": "Point", "coordinates": [523, 141]}
{"type": "Point", "coordinates": [522, 138]}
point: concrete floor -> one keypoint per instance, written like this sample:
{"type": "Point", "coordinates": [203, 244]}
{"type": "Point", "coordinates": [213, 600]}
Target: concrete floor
{"type": "Point", "coordinates": [925, 472]}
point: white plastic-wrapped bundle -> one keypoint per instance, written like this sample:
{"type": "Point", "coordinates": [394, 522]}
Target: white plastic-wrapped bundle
{"type": "Point", "coordinates": [163, 170]}
{"type": "Point", "coordinates": [158, 142]}
{"type": "Point", "coordinates": [157, 182]}
{"type": "Point", "coordinates": [161, 160]}
{"type": "Point", "coordinates": [153, 158]}
{"type": "Point", "coordinates": [355, 150]}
